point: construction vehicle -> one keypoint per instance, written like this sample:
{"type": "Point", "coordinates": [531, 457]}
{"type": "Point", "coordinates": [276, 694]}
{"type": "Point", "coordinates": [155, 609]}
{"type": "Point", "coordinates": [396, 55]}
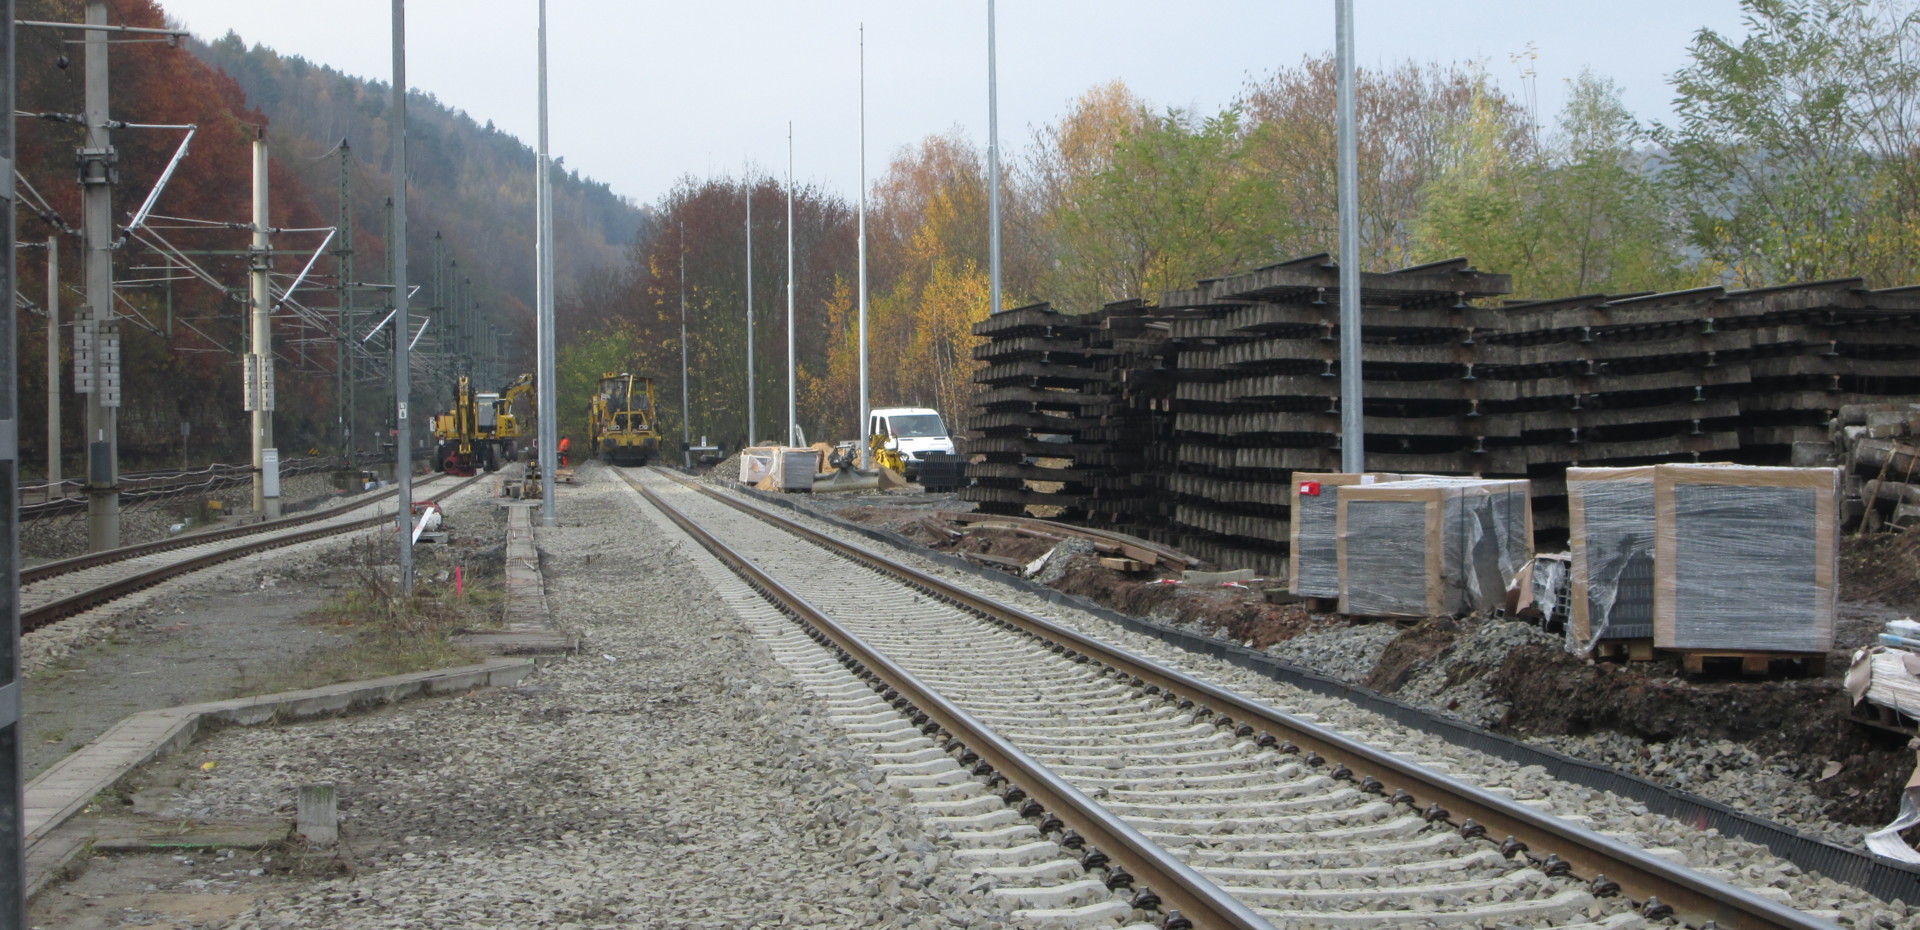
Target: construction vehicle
{"type": "Point", "coordinates": [480, 430]}
{"type": "Point", "coordinates": [620, 419]}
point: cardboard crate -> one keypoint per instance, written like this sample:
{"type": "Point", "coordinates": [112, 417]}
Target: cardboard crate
{"type": "Point", "coordinates": [1313, 545]}
{"type": "Point", "coordinates": [1431, 546]}
{"type": "Point", "coordinates": [1746, 558]}
{"type": "Point", "coordinates": [1610, 532]}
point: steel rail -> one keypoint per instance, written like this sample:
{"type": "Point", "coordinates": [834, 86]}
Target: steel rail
{"type": "Point", "coordinates": [1177, 885]}
{"type": "Point", "coordinates": [120, 587]}
{"type": "Point", "coordinates": [55, 569]}
{"type": "Point", "coordinates": [1694, 897]}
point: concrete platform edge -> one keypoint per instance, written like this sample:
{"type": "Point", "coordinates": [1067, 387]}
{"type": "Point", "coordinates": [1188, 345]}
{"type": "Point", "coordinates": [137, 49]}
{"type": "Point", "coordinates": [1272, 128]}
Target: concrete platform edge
{"type": "Point", "coordinates": [66, 787]}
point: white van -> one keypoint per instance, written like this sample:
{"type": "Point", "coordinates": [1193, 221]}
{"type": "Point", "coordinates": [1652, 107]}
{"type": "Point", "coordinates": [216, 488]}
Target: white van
{"type": "Point", "coordinates": [913, 431]}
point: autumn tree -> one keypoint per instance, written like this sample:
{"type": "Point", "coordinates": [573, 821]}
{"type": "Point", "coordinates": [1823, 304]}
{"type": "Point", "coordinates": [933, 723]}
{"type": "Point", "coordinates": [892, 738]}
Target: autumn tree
{"type": "Point", "coordinates": [1794, 146]}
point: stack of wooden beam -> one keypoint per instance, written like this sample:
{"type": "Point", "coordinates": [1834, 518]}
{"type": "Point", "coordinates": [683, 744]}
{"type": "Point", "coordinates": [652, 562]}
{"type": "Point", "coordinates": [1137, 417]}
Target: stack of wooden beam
{"type": "Point", "coordinates": [1038, 389]}
{"type": "Point", "coordinates": [1189, 418]}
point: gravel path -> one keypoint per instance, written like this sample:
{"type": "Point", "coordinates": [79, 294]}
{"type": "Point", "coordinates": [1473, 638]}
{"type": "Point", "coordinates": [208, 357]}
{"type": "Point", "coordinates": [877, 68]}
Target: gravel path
{"type": "Point", "coordinates": [671, 776]}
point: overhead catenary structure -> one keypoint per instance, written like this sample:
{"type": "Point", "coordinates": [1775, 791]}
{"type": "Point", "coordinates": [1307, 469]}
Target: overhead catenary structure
{"type": "Point", "coordinates": [96, 336]}
{"type": "Point", "coordinates": [259, 358]}
{"type": "Point", "coordinates": [397, 254]}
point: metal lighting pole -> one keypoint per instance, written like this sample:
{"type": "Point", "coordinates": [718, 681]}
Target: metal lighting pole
{"type": "Point", "coordinates": [1352, 400]}
{"type": "Point", "coordinates": [97, 337]}
{"type": "Point", "coordinates": [266, 459]}
{"type": "Point", "coordinates": [543, 330]}
{"type": "Point", "coordinates": [993, 172]}
{"type": "Point", "coordinates": [860, 451]}
{"type": "Point", "coordinates": [793, 410]}
{"type": "Point", "coordinates": [402, 360]}
{"type": "Point", "coordinates": [686, 428]}
{"type": "Point", "coordinates": [753, 421]}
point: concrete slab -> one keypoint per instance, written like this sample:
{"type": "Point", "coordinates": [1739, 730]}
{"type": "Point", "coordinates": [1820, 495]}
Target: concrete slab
{"type": "Point", "coordinates": [529, 626]}
{"type": "Point", "coordinates": [66, 788]}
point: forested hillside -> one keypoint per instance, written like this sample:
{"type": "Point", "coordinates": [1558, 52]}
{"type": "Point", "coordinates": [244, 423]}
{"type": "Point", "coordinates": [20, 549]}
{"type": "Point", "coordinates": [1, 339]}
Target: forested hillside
{"type": "Point", "coordinates": [1793, 157]}
{"type": "Point", "coordinates": [183, 336]}
{"type": "Point", "coordinates": [471, 183]}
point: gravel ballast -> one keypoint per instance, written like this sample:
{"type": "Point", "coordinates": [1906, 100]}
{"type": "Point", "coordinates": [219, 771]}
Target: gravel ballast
{"type": "Point", "coordinates": [670, 776]}
{"type": "Point", "coordinates": [1737, 861]}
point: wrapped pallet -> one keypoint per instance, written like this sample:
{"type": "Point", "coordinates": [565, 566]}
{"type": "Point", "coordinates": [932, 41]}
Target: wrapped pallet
{"type": "Point", "coordinates": [1745, 558]}
{"type": "Point", "coordinates": [1313, 563]}
{"type": "Point", "coordinates": [1431, 546]}
{"type": "Point", "coordinates": [756, 463]}
{"type": "Point", "coordinates": [1610, 532]}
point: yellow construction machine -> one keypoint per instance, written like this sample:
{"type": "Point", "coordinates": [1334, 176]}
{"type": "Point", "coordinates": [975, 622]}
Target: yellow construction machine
{"type": "Point", "coordinates": [480, 430]}
{"type": "Point", "coordinates": [620, 419]}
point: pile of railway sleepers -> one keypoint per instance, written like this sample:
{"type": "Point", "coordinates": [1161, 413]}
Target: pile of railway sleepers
{"type": "Point", "coordinates": [1185, 421]}
{"type": "Point", "coordinates": [1877, 447]}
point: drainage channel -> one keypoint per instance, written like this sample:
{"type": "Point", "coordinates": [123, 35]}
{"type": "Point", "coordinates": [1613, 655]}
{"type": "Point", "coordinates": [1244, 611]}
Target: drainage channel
{"type": "Point", "coordinates": [1309, 828]}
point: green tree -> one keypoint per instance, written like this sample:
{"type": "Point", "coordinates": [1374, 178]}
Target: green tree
{"type": "Point", "coordinates": [1793, 151]}
{"type": "Point", "coordinates": [1578, 215]}
{"type": "Point", "coordinates": [1174, 202]}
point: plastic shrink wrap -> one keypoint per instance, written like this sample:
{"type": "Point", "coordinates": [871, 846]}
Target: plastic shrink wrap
{"type": "Point", "coordinates": [1745, 558]}
{"type": "Point", "coordinates": [1431, 546]}
{"type": "Point", "coordinates": [1313, 562]}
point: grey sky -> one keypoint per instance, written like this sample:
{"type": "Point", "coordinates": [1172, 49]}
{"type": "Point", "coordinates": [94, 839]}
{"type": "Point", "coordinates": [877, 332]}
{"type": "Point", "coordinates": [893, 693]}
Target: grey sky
{"type": "Point", "coordinates": [643, 94]}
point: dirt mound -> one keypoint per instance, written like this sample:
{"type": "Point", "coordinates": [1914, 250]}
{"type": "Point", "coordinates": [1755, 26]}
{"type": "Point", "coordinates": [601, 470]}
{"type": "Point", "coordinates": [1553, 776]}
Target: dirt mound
{"type": "Point", "coordinates": [1552, 692]}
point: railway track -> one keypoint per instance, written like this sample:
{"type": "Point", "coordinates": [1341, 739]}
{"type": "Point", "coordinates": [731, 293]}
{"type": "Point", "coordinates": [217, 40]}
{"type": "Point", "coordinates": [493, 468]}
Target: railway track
{"type": "Point", "coordinates": [1091, 784]}
{"type": "Point", "coordinates": [42, 501]}
{"type": "Point", "coordinates": [57, 590]}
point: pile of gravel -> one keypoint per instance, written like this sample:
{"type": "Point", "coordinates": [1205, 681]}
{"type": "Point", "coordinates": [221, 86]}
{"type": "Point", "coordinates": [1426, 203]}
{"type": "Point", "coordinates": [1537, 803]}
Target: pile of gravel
{"type": "Point", "coordinates": [1346, 652]}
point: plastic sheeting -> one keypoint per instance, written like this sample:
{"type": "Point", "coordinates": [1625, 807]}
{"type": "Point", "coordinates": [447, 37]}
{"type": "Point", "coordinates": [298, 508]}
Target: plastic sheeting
{"type": "Point", "coordinates": [1431, 546]}
{"type": "Point", "coordinates": [1610, 532]}
{"type": "Point", "coordinates": [1745, 557]}
{"type": "Point", "coordinates": [1313, 536]}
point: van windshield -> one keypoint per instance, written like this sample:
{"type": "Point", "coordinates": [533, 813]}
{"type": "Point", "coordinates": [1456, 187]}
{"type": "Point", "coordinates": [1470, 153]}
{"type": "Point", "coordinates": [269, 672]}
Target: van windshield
{"type": "Point", "coordinates": [917, 425]}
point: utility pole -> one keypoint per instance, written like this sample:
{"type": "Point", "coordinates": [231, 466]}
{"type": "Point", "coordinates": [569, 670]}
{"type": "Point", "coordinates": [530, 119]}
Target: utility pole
{"type": "Point", "coordinates": [753, 422]}
{"type": "Point", "coordinates": [1353, 447]}
{"type": "Point", "coordinates": [793, 407]}
{"type": "Point", "coordinates": [96, 339]}
{"type": "Point", "coordinates": [53, 363]}
{"type": "Point", "coordinates": [860, 451]}
{"type": "Point", "coordinates": [259, 387]}
{"type": "Point", "coordinates": [543, 318]}
{"type": "Point", "coordinates": [397, 252]}
{"type": "Point", "coordinates": [349, 321]}
{"type": "Point", "coordinates": [13, 866]}
{"type": "Point", "coordinates": [993, 171]}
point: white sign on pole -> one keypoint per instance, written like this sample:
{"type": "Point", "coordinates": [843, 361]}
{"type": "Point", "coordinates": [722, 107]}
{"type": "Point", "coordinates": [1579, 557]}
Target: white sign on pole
{"type": "Point", "coordinates": [270, 472]}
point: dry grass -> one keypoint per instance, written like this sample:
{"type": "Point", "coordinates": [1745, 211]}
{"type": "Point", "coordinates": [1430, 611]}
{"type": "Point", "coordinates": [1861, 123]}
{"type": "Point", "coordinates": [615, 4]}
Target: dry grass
{"type": "Point", "coordinates": [390, 634]}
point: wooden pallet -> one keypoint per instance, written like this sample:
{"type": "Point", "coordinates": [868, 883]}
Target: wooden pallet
{"type": "Point", "coordinates": [1633, 650]}
{"type": "Point", "coordinates": [1695, 661]}
{"type": "Point", "coordinates": [1884, 718]}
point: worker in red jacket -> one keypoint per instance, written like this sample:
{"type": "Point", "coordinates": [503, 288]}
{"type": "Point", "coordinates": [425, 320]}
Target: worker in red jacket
{"type": "Point", "coordinates": [566, 446]}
